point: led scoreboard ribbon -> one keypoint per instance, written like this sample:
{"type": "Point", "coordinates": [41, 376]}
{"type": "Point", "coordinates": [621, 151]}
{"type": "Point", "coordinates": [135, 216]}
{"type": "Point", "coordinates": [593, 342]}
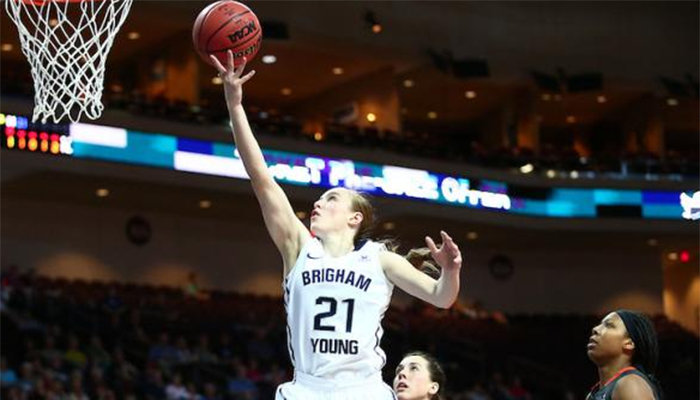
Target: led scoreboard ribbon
{"type": "Point", "coordinates": [221, 159]}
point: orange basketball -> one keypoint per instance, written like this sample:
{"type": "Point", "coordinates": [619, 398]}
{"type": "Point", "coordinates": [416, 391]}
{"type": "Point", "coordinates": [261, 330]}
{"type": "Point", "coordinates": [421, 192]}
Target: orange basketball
{"type": "Point", "coordinates": [227, 25]}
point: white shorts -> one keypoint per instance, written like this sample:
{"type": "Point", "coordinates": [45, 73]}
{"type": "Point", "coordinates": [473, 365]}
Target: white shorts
{"type": "Point", "coordinates": [307, 387]}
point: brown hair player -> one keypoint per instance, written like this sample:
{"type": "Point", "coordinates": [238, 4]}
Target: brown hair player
{"type": "Point", "coordinates": [337, 282]}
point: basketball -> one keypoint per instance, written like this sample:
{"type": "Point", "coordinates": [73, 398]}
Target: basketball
{"type": "Point", "coordinates": [227, 25]}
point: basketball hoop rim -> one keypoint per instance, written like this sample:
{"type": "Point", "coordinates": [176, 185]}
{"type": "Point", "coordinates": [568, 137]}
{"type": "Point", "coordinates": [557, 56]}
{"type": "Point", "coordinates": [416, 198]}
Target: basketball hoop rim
{"type": "Point", "coordinates": [43, 2]}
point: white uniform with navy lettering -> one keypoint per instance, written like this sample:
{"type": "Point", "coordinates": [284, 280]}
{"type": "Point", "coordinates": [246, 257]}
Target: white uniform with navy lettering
{"type": "Point", "coordinates": [334, 311]}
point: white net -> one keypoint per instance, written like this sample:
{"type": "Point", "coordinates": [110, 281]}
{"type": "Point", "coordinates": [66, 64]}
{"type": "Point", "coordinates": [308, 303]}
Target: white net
{"type": "Point", "coordinates": [66, 43]}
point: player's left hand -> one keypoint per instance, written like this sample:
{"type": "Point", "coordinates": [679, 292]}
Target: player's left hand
{"type": "Point", "coordinates": [447, 255]}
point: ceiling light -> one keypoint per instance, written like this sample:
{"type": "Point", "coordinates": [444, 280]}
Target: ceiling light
{"type": "Point", "coordinates": [546, 96]}
{"type": "Point", "coordinates": [432, 115]}
{"type": "Point", "coordinates": [551, 173]}
{"type": "Point", "coordinates": [388, 226]}
{"type": "Point", "coordinates": [217, 80]}
{"type": "Point", "coordinates": [372, 21]}
{"type": "Point", "coordinates": [570, 119]}
{"type": "Point", "coordinates": [472, 235]}
{"type": "Point", "coordinates": [407, 83]}
{"type": "Point", "coordinates": [470, 94]}
{"type": "Point", "coordinates": [652, 242]}
{"type": "Point", "coordinates": [338, 71]}
{"type": "Point", "coordinates": [102, 192]}
{"type": "Point", "coordinates": [7, 47]}
{"type": "Point", "coordinates": [673, 256]}
{"type": "Point", "coordinates": [318, 136]}
{"type": "Point", "coordinates": [53, 22]}
{"type": "Point", "coordinates": [204, 204]}
{"type": "Point", "coordinates": [672, 102]}
{"type": "Point", "coordinates": [371, 117]}
{"type": "Point", "coordinates": [527, 168]}
{"type": "Point", "coordinates": [574, 174]}
{"type": "Point", "coordinates": [133, 35]}
{"type": "Point", "coordinates": [601, 99]}
{"type": "Point", "coordinates": [269, 59]}
{"type": "Point", "coordinates": [286, 91]}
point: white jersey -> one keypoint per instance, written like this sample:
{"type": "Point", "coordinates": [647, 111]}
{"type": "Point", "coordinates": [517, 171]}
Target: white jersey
{"type": "Point", "coordinates": [334, 311]}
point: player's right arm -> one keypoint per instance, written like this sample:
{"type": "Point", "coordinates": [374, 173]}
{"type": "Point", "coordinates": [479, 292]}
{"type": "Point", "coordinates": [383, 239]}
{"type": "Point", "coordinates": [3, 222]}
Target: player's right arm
{"type": "Point", "coordinates": [285, 229]}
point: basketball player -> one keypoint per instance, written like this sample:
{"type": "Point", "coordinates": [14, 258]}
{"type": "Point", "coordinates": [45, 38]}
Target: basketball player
{"type": "Point", "coordinates": [625, 350]}
{"type": "Point", "coordinates": [419, 376]}
{"type": "Point", "coordinates": [337, 285]}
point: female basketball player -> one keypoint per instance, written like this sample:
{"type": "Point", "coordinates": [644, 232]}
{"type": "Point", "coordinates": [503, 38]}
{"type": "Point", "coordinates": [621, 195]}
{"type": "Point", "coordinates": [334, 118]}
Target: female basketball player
{"type": "Point", "coordinates": [625, 349]}
{"type": "Point", "coordinates": [419, 376]}
{"type": "Point", "coordinates": [337, 285]}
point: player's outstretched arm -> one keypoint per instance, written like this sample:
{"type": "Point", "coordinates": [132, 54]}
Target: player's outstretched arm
{"type": "Point", "coordinates": [441, 292]}
{"type": "Point", "coordinates": [288, 233]}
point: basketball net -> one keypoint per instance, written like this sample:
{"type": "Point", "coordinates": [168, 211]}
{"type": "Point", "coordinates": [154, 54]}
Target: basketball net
{"type": "Point", "coordinates": [66, 43]}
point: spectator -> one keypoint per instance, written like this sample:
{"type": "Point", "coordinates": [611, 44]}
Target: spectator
{"type": "Point", "coordinates": [8, 377]}
{"type": "Point", "coordinates": [113, 303]}
{"type": "Point", "coordinates": [517, 391]}
{"type": "Point", "coordinates": [240, 387]}
{"type": "Point", "coordinates": [153, 388]}
{"type": "Point", "coordinates": [74, 355]}
{"type": "Point", "coordinates": [225, 352]}
{"type": "Point", "coordinates": [477, 392]}
{"type": "Point", "coordinates": [56, 370]}
{"type": "Point", "coordinates": [77, 392]}
{"type": "Point", "coordinates": [26, 380]}
{"type": "Point", "coordinates": [97, 352]}
{"type": "Point", "coordinates": [192, 392]}
{"type": "Point", "coordinates": [210, 392]}
{"type": "Point", "coordinates": [184, 355]}
{"type": "Point", "coordinates": [162, 352]}
{"type": "Point", "coordinates": [175, 390]}
{"type": "Point", "coordinates": [49, 352]}
{"type": "Point", "coordinates": [498, 389]}
{"type": "Point", "coordinates": [202, 353]}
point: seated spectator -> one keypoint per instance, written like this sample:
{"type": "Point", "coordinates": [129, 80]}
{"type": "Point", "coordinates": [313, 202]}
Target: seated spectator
{"type": "Point", "coordinates": [184, 355]}
{"type": "Point", "coordinates": [210, 392]}
{"type": "Point", "coordinates": [77, 391]}
{"type": "Point", "coordinates": [192, 392]}
{"type": "Point", "coordinates": [56, 370]}
{"type": "Point", "coordinates": [49, 352]}
{"type": "Point", "coordinates": [498, 389]}
{"type": "Point", "coordinates": [97, 352]}
{"type": "Point", "coordinates": [153, 388]}
{"type": "Point", "coordinates": [517, 391]}
{"type": "Point", "coordinates": [175, 390]}
{"type": "Point", "coordinates": [259, 347]}
{"type": "Point", "coordinates": [27, 378]}
{"type": "Point", "coordinates": [225, 352]}
{"type": "Point", "coordinates": [202, 353]}
{"type": "Point", "coordinates": [73, 354]}
{"type": "Point", "coordinates": [8, 377]}
{"type": "Point", "coordinates": [253, 373]}
{"type": "Point", "coordinates": [240, 387]}
{"type": "Point", "coordinates": [162, 352]}
{"type": "Point", "coordinates": [477, 392]}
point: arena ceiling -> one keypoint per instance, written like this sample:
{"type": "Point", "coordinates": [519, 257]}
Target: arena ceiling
{"type": "Point", "coordinates": [631, 43]}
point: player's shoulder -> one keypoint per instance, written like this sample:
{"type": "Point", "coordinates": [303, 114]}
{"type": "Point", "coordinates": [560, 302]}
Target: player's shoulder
{"type": "Point", "coordinates": [633, 387]}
